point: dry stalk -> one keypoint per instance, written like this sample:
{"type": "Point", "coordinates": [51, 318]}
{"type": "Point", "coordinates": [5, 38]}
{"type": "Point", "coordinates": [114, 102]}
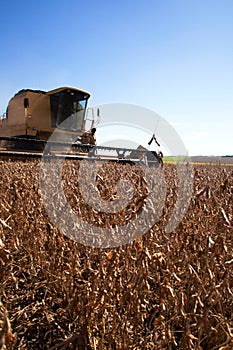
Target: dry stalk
{"type": "Point", "coordinates": [164, 291]}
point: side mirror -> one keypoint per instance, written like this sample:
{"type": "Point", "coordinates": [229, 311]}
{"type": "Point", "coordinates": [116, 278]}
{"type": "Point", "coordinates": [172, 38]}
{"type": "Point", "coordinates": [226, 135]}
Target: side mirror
{"type": "Point", "coordinates": [98, 116]}
{"type": "Point", "coordinates": [92, 117]}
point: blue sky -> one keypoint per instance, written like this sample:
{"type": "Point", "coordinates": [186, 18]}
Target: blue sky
{"type": "Point", "coordinates": [173, 56]}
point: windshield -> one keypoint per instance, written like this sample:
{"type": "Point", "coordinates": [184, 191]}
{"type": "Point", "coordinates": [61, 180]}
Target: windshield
{"type": "Point", "coordinates": [68, 110]}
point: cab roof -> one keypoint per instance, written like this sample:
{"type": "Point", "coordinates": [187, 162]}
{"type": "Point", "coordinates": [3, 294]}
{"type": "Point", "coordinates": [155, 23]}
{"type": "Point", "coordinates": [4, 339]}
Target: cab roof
{"type": "Point", "coordinates": [67, 88]}
{"type": "Point", "coordinates": [54, 91]}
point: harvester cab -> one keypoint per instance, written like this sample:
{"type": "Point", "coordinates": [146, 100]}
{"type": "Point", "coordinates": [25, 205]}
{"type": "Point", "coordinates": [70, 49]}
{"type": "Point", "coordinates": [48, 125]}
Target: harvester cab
{"type": "Point", "coordinates": [36, 113]}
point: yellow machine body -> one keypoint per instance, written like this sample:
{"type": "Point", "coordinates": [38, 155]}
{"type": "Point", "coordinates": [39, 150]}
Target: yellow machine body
{"type": "Point", "coordinates": [36, 113]}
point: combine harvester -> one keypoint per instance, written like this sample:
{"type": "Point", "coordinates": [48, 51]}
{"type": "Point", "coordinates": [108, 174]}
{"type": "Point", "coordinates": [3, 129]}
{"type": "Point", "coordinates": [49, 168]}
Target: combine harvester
{"type": "Point", "coordinates": [39, 123]}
